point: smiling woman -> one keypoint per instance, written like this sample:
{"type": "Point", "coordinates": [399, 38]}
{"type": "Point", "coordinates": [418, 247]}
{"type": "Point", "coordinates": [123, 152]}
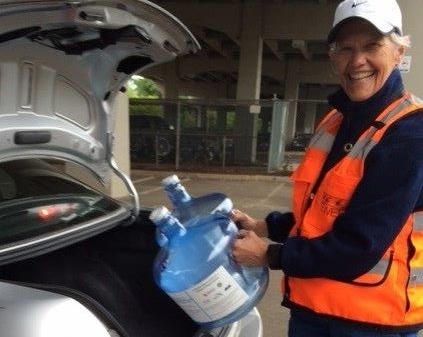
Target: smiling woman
{"type": "Point", "coordinates": [363, 58]}
{"type": "Point", "coordinates": [350, 250]}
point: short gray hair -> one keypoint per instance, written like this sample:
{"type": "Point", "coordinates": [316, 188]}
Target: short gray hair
{"type": "Point", "coordinates": [402, 41]}
{"type": "Point", "coordinates": [394, 37]}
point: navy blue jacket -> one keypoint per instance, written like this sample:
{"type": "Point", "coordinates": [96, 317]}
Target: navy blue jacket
{"type": "Point", "coordinates": [391, 188]}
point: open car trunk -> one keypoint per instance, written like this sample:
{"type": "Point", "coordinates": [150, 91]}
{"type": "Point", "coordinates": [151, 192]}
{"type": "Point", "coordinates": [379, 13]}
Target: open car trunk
{"type": "Point", "coordinates": [110, 270]}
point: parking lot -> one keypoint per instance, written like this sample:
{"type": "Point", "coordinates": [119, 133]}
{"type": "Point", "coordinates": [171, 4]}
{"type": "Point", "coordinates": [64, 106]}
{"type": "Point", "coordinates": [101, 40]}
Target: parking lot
{"type": "Point", "coordinates": [256, 195]}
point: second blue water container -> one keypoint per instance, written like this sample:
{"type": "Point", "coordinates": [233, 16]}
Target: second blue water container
{"type": "Point", "coordinates": [196, 270]}
{"type": "Point", "coordinates": [186, 207]}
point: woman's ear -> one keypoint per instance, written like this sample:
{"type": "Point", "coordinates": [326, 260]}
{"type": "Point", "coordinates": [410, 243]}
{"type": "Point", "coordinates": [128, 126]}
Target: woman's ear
{"type": "Point", "coordinates": [399, 55]}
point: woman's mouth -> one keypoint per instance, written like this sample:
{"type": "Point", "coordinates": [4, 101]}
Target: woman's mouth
{"type": "Point", "coordinates": [361, 75]}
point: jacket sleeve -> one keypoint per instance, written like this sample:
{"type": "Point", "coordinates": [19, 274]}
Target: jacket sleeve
{"type": "Point", "coordinates": [389, 191]}
{"type": "Point", "coordinates": [279, 225]}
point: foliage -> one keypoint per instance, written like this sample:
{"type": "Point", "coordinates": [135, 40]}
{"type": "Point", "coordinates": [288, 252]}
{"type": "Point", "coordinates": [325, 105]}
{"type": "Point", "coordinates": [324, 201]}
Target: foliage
{"type": "Point", "coordinates": [140, 87]}
{"type": "Point", "coordinates": [143, 109]}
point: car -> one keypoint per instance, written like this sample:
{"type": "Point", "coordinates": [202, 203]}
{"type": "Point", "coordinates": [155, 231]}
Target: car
{"type": "Point", "coordinates": [151, 136]}
{"type": "Point", "coordinates": [73, 260]}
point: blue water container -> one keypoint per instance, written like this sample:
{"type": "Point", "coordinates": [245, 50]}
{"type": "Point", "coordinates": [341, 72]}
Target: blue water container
{"type": "Point", "coordinates": [185, 207]}
{"type": "Point", "coordinates": [196, 270]}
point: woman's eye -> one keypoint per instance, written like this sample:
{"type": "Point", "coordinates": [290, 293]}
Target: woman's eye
{"type": "Point", "coordinates": [373, 46]}
{"type": "Point", "coordinates": [345, 50]}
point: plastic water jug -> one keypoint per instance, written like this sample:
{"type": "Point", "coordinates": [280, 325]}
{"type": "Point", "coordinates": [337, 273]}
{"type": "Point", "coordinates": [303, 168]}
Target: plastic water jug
{"type": "Point", "coordinates": [186, 207]}
{"type": "Point", "coordinates": [196, 270]}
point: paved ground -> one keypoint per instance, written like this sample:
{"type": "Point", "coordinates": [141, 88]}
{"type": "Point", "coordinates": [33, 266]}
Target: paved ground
{"type": "Point", "coordinates": [256, 195]}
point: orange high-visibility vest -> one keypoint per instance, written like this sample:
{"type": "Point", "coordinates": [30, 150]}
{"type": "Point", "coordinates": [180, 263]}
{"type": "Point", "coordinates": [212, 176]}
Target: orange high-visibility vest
{"type": "Point", "coordinates": [391, 293]}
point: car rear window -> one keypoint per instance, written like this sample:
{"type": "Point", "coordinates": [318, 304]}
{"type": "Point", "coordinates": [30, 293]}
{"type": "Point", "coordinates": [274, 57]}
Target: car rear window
{"type": "Point", "coordinates": [36, 199]}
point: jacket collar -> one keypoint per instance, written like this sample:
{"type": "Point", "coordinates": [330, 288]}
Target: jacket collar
{"type": "Point", "coordinates": [391, 90]}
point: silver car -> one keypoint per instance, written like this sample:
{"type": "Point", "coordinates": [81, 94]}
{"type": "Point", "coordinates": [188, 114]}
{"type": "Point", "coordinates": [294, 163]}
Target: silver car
{"type": "Point", "coordinates": [74, 261]}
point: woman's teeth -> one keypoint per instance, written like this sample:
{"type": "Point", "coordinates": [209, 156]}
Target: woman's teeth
{"type": "Point", "coordinates": [361, 76]}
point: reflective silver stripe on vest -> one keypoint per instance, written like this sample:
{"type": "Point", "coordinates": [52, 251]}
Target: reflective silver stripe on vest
{"type": "Point", "coordinates": [416, 277]}
{"type": "Point", "coordinates": [322, 141]}
{"type": "Point", "coordinates": [380, 268]}
{"type": "Point", "coordinates": [416, 274]}
{"type": "Point", "coordinates": [418, 222]}
{"type": "Point", "coordinates": [362, 147]}
{"type": "Point", "coordinates": [405, 103]}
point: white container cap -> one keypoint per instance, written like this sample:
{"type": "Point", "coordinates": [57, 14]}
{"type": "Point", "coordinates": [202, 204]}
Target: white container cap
{"type": "Point", "coordinates": [159, 213]}
{"type": "Point", "coordinates": [173, 179]}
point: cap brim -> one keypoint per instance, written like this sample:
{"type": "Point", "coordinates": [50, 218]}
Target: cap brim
{"type": "Point", "coordinates": [383, 27]}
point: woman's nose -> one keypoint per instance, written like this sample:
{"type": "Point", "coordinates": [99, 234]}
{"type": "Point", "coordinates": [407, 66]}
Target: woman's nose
{"type": "Point", "coordinates": [358, 57]}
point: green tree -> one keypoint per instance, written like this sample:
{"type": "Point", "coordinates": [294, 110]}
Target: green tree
{"type": "Point", "coordinates": [140, 87]}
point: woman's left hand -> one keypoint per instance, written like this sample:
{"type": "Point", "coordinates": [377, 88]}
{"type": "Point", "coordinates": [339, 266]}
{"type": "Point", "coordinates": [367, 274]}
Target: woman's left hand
{"type": "Point", "coordinates": [249, 250]}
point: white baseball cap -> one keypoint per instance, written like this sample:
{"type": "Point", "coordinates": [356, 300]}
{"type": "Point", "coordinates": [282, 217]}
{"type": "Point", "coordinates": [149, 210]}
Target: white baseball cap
{"type": "Point", "coordinates": [385, 15]}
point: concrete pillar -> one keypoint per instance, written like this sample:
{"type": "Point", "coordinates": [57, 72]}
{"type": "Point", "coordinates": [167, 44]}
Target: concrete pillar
{"type": "Point", "coordinates": [310, 116]}
{"type": "Point", "coordinates": [171, 81]}
{"type": "Point", "coordinates": [249, 80]}
{"type": "Point", "coordinates": [171, 91]}
{"type": "Point", "coordinates": [204, 118]}
{"type": "Point", "coordinates": [291, 93]}
{"type": "Point", "coordinates": [221, 119]}
{"type": "Point", "coordinates": [411, 14]}
{"type": "Point", "coordinates": [121, 146]}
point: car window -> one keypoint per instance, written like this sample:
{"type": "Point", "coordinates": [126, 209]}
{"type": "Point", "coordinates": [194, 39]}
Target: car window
{"type": "Point", "coordinates": [37, 199]}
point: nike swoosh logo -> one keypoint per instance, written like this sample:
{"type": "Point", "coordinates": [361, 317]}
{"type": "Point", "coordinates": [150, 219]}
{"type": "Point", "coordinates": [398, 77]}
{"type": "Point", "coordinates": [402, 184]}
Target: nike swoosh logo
{"type": "Point", "coordinates": [355, 4]}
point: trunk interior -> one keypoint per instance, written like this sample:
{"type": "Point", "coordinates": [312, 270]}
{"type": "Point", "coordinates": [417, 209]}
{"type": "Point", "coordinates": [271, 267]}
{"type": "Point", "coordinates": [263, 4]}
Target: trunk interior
{"type": "Point", "coordinates": [112, 274]}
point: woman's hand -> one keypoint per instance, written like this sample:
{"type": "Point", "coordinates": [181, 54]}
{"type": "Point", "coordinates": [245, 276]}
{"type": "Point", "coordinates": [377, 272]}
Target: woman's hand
{"type": "Point", "coordinates": [244, 221]}
{"type": "Point", "coordinates": [249, 250]}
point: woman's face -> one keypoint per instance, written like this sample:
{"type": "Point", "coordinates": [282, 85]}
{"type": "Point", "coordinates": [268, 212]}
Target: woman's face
{"type": "Point", "coordinates": [363, 58]}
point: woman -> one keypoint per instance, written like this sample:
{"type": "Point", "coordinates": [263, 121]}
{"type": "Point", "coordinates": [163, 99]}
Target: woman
{"type": "Point", "coordinates": [352, 249]}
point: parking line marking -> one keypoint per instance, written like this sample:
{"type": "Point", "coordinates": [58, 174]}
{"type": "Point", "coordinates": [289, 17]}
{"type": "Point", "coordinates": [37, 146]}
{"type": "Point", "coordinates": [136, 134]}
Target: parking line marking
{"type": "Point", "coordinates": [151, 190]}
{"type": "Point", "coordinates": [154, 189]}
{"type": "Point", "coordinates": [142, 179]}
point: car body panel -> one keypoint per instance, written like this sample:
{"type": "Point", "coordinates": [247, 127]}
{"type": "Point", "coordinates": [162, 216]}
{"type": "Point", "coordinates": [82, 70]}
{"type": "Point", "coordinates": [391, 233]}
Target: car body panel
{"type": "Point", "coordinates": [45, 314]}
{"type": "Point", "coordinates": [62, 65]}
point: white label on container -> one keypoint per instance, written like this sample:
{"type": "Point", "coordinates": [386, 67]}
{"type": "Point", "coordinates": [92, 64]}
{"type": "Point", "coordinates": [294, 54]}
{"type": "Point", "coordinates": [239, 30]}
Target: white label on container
{"type": "Point", "coordinates": [213, 298]}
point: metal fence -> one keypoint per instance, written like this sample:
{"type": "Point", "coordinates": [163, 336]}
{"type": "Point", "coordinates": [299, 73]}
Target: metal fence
{"type": "Point", "coordinates": [218, 135]}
